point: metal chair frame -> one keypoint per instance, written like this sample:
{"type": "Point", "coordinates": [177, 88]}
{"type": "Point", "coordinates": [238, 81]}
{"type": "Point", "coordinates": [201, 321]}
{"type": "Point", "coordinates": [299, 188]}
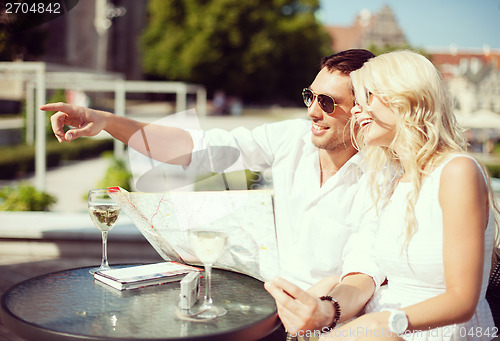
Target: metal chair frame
{"type": "Point", "coordinates": [493, 292]}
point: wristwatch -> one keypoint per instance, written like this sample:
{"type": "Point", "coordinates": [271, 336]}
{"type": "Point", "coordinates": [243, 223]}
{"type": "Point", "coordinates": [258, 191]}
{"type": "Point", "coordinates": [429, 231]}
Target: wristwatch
{"type": "Point", "coordinates": [398, 321]}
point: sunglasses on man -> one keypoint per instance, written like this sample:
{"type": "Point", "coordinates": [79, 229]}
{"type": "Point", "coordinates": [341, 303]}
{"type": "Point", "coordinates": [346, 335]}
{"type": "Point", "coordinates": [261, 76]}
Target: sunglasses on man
{"type": "Point", "coordinates": [326, 103]}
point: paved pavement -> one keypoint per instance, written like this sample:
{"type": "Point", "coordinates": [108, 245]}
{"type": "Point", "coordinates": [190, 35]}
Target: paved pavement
{"type": "Point", "coordinates": [71, 182]}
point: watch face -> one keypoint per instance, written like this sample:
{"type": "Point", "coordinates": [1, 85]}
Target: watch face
{"type": "Point", "coordinates": [399, 322]}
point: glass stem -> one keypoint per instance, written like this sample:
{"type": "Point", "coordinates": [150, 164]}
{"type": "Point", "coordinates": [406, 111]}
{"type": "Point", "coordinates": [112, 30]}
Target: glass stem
{"type": "Point", "coordinates": [104, 262]}
{"type": "Point", "coordinates": [208, 285]}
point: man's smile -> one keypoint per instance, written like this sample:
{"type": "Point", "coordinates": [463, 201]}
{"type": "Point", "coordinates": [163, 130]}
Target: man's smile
{"type": "Point", "coordinates": [318, 129]}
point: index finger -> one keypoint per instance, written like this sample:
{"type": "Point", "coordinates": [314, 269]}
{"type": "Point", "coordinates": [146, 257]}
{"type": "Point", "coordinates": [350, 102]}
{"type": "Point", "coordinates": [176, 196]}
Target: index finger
{"type": "Point", "coordinates": [292, 290]}
{"type": "Point", "coordinates": [60, 106]}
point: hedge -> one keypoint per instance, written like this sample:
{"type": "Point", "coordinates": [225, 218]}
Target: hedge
{"type": "Point", "coordinates": [25, 197]}
{"type": "Point", "coordinates": [494, 170]}
{"type": "Point", "coordinates": [16, 161]}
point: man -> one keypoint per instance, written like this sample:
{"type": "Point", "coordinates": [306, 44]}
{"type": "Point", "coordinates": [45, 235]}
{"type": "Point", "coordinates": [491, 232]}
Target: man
{"type": "Point", "coordinates": [320, 198]}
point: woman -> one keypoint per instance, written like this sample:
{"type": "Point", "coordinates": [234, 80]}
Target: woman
{"type": "Point", "coordinates": [437, 226]}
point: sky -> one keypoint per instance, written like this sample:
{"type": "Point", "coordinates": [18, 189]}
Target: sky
{"type": "Point", "coordinates": [429, 23]}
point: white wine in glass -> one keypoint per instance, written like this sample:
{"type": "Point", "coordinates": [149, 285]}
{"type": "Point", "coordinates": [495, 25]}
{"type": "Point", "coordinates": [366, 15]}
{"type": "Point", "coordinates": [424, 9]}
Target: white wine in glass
{"type": "Point", "coordinates": [104, 212]}
{"type": "Point", "coordinates": [208, 246]}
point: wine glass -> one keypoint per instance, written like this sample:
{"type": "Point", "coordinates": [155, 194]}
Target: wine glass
{"type": "Point", "coordinates": [208, 246]}
{"type": "Point", "coordinates": [104, 212]}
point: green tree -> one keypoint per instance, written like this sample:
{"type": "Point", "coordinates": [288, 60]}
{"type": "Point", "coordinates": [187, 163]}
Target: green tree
{"type": "Point", "coordinates": [251, 48]}
{"type": "Point", "coordinates": [17, 43]}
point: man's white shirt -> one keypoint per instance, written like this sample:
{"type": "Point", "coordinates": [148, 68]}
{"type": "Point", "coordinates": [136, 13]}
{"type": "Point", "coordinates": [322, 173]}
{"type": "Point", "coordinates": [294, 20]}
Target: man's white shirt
{"type": "Point", "coordinates": [319, 228]}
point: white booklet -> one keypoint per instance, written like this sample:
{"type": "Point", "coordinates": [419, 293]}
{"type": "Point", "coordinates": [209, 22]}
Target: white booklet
{"type": "Point", "coordinates": [143, 275]}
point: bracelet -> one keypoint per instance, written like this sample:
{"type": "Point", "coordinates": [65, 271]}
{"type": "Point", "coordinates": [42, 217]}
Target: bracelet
{"type": "Point", "coordinates": [336, 311]}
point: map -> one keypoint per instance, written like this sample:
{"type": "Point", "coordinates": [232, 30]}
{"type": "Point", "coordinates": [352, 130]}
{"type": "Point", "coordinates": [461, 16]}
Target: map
{"type": "Point", "coordinates": [247, 217]}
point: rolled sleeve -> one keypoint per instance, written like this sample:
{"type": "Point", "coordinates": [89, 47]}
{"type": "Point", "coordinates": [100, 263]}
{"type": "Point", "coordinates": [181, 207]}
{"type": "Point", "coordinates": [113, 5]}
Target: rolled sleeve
{"type": "Point", "coordinates": [257, 147]}
{"type": "Point", "coordinates": [358, 255]}
{"type": "Point", "coordinates": [198, 139]}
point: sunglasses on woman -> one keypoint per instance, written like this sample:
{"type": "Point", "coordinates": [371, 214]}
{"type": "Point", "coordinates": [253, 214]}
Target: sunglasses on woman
{"type": "Point", "coordinates": [326, 103]}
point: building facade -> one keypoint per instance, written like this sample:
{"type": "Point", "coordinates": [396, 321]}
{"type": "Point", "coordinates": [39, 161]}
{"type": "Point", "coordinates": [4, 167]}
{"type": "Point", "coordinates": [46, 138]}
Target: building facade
{"type": "Point", "coordinates": [369, 29]}
{"type": "Point", "coordinates": [74, 39]}
{"type": "Point", "coordinates": [473, 77]}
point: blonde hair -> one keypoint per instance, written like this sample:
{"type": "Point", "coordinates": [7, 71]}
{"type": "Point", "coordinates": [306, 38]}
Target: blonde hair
{"type": "Point", "coordinates": [426, 129]}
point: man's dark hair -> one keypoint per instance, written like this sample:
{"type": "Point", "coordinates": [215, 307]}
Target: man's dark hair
{"type": "Point", "coordinates": [346, 61]}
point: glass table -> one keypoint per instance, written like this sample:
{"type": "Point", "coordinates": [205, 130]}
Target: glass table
{"type": "Point", "coordinates": [70, 305]}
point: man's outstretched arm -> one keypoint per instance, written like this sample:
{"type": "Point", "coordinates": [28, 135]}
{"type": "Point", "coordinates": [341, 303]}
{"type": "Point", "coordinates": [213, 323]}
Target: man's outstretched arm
{"type": "Point", "coordinates": [171, 144]}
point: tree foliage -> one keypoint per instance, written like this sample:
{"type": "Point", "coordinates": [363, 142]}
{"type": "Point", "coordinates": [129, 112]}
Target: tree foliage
{"type": "Point", "coordinates": [251, 48]}
{"type": "Point", "coordinates": [18, 39]}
